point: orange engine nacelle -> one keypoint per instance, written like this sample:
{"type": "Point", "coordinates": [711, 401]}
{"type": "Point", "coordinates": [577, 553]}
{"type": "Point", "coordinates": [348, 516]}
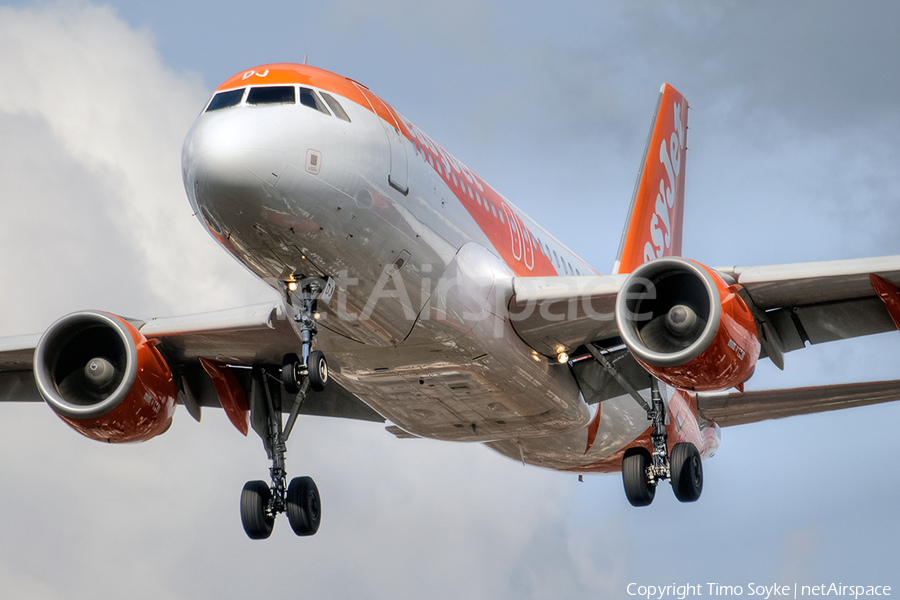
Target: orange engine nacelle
{"type": "Point", "coordinates": [686, 326]}
{"type": "Point", "coordinates": [104, 378]}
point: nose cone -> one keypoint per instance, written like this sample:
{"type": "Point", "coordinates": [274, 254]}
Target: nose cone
{"type": "Point", "coordinates": [231, 158]}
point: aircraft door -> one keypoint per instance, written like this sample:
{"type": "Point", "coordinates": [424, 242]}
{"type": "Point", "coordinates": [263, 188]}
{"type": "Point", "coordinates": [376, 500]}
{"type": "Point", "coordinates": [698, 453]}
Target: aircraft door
{"type": "Point", "coordinates": [398, 176]}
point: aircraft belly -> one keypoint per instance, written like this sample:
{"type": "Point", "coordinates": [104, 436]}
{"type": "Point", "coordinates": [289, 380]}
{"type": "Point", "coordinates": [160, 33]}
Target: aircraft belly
{"type": "Point", "coordinates": [473, 400]}
{"type": "Point", "coordinates": [452, 380]}
{"type": "Point", "coordinates": [621, 422]}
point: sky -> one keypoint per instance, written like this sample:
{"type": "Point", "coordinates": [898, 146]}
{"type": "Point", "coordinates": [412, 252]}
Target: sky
{"type": "Point", "coordinates": [793, 156]}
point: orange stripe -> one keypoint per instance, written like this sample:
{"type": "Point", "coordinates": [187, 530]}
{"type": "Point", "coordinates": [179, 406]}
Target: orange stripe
{"type": "Point", "coordinates": [292, 74]}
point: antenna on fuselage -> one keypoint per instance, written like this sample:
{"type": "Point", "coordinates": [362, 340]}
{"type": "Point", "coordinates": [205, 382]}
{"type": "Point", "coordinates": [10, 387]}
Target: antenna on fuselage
{"type": "Point", "coordinates": [305, 56]}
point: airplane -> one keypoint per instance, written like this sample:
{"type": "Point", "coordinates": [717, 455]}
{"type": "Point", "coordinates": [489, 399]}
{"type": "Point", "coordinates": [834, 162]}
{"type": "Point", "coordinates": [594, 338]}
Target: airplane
{"type": "Point", "coordinates": [412, 293]}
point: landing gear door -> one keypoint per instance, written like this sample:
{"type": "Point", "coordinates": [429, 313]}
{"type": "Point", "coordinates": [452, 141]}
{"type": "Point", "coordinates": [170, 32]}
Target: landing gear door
{"type": "Point", "coordinates": [399, 173]}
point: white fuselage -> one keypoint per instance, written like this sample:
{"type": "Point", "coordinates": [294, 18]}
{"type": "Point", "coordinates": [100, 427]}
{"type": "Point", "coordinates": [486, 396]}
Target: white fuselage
{"type": "Point", "coordinates": [423, 253]}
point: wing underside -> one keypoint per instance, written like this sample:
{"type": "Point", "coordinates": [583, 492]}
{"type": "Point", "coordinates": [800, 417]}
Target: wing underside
{"type": "Point", "coordinates": [243, 337]}
{"type": "Point", "coordinates": [793, 305]}
{"type": "Point", "coordinates": [799, 303]}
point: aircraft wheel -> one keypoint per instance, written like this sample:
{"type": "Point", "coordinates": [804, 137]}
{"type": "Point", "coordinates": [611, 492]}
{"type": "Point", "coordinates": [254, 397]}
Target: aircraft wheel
{"type": "Point", "coordinates": [290, 373]}
{"type": "Point", "coordinates": [304, 508]}
{"type": "Point", "coordinates": [638, 490]}
{"type": "Point", "coordinates": [318, 370]}
{"type": "Point", "coordinates": [254, 516]}
{"type": "Point", "coordinates": [687, 472]}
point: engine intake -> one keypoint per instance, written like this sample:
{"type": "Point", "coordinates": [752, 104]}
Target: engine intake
{"type": "Point", "coordinates": [104, 378]}
{"type": "Point", "coordinates": [684, 324]}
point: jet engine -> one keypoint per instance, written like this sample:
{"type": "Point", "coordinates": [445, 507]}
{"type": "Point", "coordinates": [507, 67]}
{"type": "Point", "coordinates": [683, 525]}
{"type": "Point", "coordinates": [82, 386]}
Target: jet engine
{"type": "Point", "coordinates": [686, 326]}
{"type": "Point", "coordinates": [104, 378]}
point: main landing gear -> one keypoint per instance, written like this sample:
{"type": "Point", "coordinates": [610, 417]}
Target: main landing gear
{"type": "Point", "coordinates": [261, 502]}
{"type": "Point", "coordinates": [642, 471]}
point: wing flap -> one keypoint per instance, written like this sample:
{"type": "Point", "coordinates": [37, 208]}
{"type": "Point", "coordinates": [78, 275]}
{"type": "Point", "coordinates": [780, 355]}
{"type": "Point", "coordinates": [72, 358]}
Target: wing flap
{"type": "Point", "coordinates": [727, 409]}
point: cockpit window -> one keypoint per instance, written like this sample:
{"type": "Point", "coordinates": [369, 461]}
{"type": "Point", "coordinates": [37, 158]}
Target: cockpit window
{"type": "Point", "coordinates": [336, 108]}
{"type": "Point", "coordinates": [279, 94]}
{"type": "Point", "coordinates": [225, 99]}
{"type": "Point", "coordinates": [309, 98]}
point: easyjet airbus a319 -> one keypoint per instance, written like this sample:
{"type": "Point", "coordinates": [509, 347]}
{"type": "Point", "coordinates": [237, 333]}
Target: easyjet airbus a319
{"type": "Point", "coordinates": [410, 292]}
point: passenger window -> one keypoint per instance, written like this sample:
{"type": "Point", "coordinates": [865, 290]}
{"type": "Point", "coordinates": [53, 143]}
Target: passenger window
{"type": "Point", "coordinates": [337, 109]}
{"type": "Point", "coordinates": [281, 94]}
{"type": "Point", "coordinates": [309, 98]}
{"type": "Point", "coordinates": [226, 99]}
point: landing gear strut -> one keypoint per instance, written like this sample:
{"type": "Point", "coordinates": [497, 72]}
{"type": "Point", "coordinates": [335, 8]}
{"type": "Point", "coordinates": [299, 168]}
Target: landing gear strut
{"type": "Point", "coordinates": [642, 471]}
{"type": "Point", "coordinates": [311, 363]}
{"type": "Point", "coordinates": [262, 502]}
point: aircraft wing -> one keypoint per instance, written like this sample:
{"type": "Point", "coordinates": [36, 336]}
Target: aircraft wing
{"type": "Point", "coordinates": [554, 314]}
{"type": "Point", "coordinates": [792, 303]}
{"type": "Point", "coordinates": [247, 336]}
{"type": "Point", "coordinates": [733, 408]}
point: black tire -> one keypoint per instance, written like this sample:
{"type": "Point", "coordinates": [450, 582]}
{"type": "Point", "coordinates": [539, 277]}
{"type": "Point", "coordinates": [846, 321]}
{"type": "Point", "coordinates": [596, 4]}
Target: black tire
{"type": "Point", "coordinates": [687, 472]}
{"type": "Point", "coordinates": [254, 502]}
{"type": "Point", "coordinates": [304, 508]}
{"type": "Point", "coordinates": [290, 369]}
{"type": "Point", "coordinates": [318, 370]}
{"type": "Point", "coordinates": [638, 490]}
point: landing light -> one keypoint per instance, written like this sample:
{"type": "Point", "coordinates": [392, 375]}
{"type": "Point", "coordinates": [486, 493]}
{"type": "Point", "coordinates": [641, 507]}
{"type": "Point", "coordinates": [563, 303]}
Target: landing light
{"type": "Point", "coordinates": [317, 316]}
{"type": "Point", "coordinates": [292, 285]}
{"type": "Point", "coordinates": [562, 357]}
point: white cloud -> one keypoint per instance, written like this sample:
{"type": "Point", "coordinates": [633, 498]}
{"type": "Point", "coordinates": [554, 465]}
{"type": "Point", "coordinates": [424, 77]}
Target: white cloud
{"type": "Point", "coordinates": [92, 170]}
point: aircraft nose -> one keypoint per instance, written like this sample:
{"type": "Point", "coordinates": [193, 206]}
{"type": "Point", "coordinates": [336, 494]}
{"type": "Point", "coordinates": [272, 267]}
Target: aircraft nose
{"type": "Point", "coordinates": [231, 158]}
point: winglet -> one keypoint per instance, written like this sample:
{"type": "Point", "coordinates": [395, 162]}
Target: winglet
{"type": "Point", "coordinates": [657, 206]}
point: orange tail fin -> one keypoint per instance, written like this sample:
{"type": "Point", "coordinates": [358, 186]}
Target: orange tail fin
{"type": "Point", "coordinates": [657, 206]}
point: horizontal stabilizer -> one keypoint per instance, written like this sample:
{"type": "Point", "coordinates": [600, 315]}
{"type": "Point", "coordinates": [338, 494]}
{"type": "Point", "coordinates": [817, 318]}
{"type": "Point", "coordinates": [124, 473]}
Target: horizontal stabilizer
{"type": "Point", "coordinates": [726, 409]}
